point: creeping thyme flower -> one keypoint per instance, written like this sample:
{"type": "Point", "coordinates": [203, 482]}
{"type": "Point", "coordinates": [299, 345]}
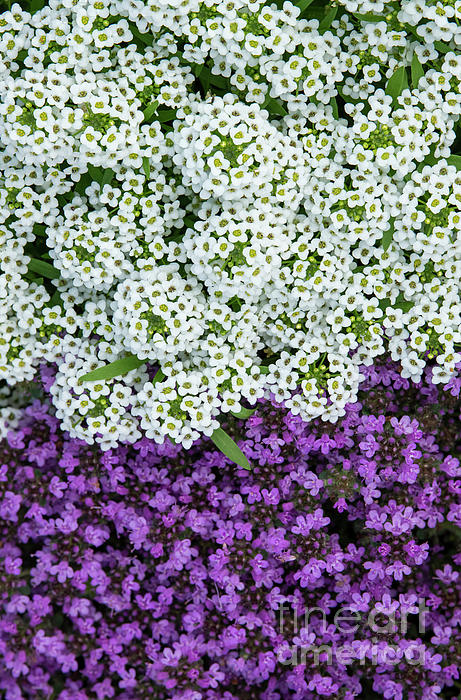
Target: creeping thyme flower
{"type": "Point", "coordinates": [151, 571]}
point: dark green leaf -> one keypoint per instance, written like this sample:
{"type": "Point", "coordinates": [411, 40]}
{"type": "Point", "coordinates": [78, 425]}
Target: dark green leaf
{"type": "Point", "coordinates": [114, 369]}
{"type": "Point", "coordinates": [36, 5]}
{"type": "Point", "coordinates": [43, 268]}
{"type": "Point", "coordinates": [166, 115]}
{"type": "Point", "coordinates": [369, 18]}
{"type": "Point", "coordinates": [146, 166]}
{"type": "Point", "coordinates": [334, 106]}
{"type": "Point", "coordinates": [326, 22]}
{"type": "Point", "coordinates": [274, 107]}
{"type": "Point", "coordinates": [108, 176]}
{"type": "Point", "coordinates": [32, 278]}
{"type": "Point", "coordinates": [430, 159]}
{"type": "Point", "coordinates": [95, 173]}
{"type": "Point", "coordinates": [147, 39]}
{"type": "Point", "coordinates": [454, 160]}
{"type": "Point", "coordinates": [303, 5]}
{"type": "Point", "coordinates": [149, 111]}
{"type": "Point", "coordinates": [83, 183]}
{"type": "Point", "coordinates": [219, 81]}
{"type": "Point", "coordinates": [39, 230]}
{"type": "Point", "coordinates": [204, 79]}
{"type": "Point", "coordinates": [402, 303]}
{"type": "Point", "coordinates": [413, 30]}
{"type": "Point", "coordinates": [101, 175]}
{"type": "Point", "coordinates": [228, 447]}
{"type": "Point", "coordinates": [399, 303]}
{"type": "Point", "coordinates": [35, 391]}
{"type": "Point", "coordinates": [397, 83]}
{"type": "Point", "coordinates": [442, 47]}
{"type": "Point", "coordinates": [346, 98]}
{"type": "Point", "coordinates": [417, 71]}
{"type": "Point", "coordinates": [244, 413]}
{"type": "Point", "coordinates": [56, 299]}
{"type": "Point", "coordinates": [388, 235]}
{"type": "Point", "coordinates": [159, 376]}
{"type": "Point", "coordinates": [196, 69]}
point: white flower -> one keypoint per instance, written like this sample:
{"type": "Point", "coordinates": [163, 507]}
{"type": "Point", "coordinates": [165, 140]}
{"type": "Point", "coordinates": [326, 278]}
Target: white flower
{"type": "Point", "coordinates": [228, 234]}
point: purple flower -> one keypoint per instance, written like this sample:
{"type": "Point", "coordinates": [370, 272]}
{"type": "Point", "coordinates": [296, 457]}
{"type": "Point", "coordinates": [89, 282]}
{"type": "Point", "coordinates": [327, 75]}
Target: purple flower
{"type": "Point", "coordinates": [62, 571]}
{"type": "Point", "coordinates": [149, 571]}
{"type": "Point", "coordinates": [375, 570]}
{"type": "Point", "coordinates": [398, 570]}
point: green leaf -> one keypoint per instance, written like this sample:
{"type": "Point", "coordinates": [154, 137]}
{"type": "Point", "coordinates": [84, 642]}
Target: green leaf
{"type": "Point", "coordinates": [402, 303]}
{"type": "Point", "coordinates": [228, 447]}
{"type": "Point", "coordinates": [334, 106]}
{"type": "Point", "coordinates": [399, 303]}
{"type": "Point", "coordinates": [84, 182]}
{"type": "Point", "coordinates": [369, 18]}
{"type": "Point", "coordinates": [96, 174]}
{"type": "Point", "coordinates": [107, 177]}
{"type": "Point", "coordinates": [397, 83]}
{"type": "Point", "coordinates": [274, 107]}
{"type": "Point", "coordinates": [430, 159]}
{"type": "Point", "coordinates": [346, 98]}
{"type": "Point", "coordinates": [35, 391]}
{"type": "Point", "coordinates": [244, 413]}
{"type": "Point", "coordinates": [204, 79]}
{"type": "Point", "coordinates": [303, 5]}
{"type": "Point", "coordinates": [101, 175]}
{"type": "Point", "coordinates": [388, 235]}
{"type": "Point", "coordinates": [32, 278]}
{"type": "Point", "coordinates": [149, 111]}
{"type": "Point", "coordinates": [114, 369]}
{"type": "Point", "coordinates": [43, 268]}
{"type": "Point", "coordinates": [263, 369]}
{"type": "Point", "coordinates": [417, 71]}
{"type": "Point", "coordinates": [56, 299]}
{"type": "Point", "coordinates": [219, 81]}
{"type": "Point", "coordinates": [442, 47]}
{"type": "Point", "coordinates": [166, 115]}
{"type": "Point", "coordinates": [146, 166]}
{"type": "Point", "coordinates": [326, 22]}
{"type": "Point", "coordinates": [413, 30]}
{"type": "Point", "coordinates": [39, 230]}
{"type": "Point", "coordinates": [147, 39]}
{"type": "Point", "coordinates": [36, 5]}
{"type": "Point", "coordinates": [454, 160]}
{"type": "Point", "coordinates": [384, 303]}
{"type": "Point", "coordinates": [158, 377]}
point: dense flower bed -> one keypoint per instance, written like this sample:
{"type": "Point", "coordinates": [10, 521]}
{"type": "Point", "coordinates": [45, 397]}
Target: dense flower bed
{"type": "Point", "coordinates": [243, 217]}
{"type": "Point", "coordinates": [233, 199]}
{"type": "Point", "coordinates": [149, 571]}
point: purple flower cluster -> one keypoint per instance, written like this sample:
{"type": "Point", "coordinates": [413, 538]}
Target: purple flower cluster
{"type": "Point", "coordinates": [329, 570]}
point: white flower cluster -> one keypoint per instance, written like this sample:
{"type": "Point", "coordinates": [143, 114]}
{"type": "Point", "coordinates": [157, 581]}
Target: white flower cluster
{"type": "Point", "coordinates": [231, 192]}
{"type": "Point", "coordinates": [434, 20]}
